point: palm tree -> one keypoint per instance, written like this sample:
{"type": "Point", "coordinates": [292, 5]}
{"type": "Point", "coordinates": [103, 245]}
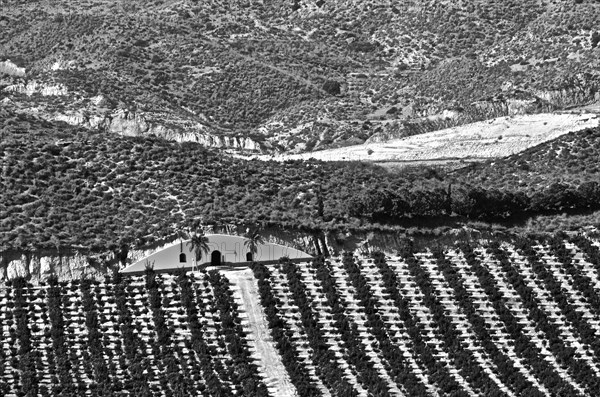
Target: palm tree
{"type": "Point", "coordinates": [198, 244]}
{"type": "Point", "coordinates": [253, 240]}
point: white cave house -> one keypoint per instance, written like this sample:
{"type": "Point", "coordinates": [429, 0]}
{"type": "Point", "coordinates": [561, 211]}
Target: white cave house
{"type": "Point", "coordinates": [223, 250]}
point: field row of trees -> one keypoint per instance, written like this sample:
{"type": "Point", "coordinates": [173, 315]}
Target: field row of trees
{"type": "Point", "coordinates": [146, 336]}
{"type": "Point", "coordinates": [453, 320]}
{"type": "Point", "coordinates": [517, 316]}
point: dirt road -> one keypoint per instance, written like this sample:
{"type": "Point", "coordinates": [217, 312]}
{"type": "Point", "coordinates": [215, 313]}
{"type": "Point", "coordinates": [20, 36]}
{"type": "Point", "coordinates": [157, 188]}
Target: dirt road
{"type": "Point", "coordinates": [267, 358]}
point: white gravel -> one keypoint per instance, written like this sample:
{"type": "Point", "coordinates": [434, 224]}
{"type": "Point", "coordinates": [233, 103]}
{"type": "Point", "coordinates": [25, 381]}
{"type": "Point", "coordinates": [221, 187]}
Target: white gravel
{"type": "Point", "coordinates": [254, 321]}
{"type": "Point", "coordinates": [497, 137]}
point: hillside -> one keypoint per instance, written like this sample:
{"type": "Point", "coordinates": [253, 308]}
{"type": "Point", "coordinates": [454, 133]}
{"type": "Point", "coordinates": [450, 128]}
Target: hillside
{"type": "Point", "coordinates": [436, 162]}
{"type": "Point", "coordinates": [99, 192]}
{"type": "Point", "coordinates": [571, 159]}
{"type": "Point", "coordinates": [508, 317]}
{"type": "Point", "coordinates": [294, 75]}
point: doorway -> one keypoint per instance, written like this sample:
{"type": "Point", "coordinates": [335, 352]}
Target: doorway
{"type": "Point", "coordinates": [215, 258]}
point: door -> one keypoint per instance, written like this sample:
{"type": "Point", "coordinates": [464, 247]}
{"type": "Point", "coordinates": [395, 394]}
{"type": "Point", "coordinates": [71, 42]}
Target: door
{"type": "Point", "coordinates": [215, 258]}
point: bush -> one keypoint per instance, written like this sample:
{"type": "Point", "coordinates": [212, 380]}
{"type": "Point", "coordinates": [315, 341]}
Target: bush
{"type": "Point", "coordinates": [595, 39]}
{"type": "Point", "coordinates": [332, 87]}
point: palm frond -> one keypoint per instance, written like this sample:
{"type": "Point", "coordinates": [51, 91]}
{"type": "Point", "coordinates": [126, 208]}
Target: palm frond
{"type": "Point", "coordinates": [253, 240]}
{"type": "Point", "coordinates": [198, 244]}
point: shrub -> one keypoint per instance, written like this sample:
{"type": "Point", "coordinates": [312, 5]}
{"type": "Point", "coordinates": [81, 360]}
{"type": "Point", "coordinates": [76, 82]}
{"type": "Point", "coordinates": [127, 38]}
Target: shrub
{"type": "Point", "coordinates": [595, 39]}
{"type": "Point", "coordinates": [332, 87]}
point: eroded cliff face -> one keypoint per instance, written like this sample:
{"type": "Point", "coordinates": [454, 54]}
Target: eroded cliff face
{"type": "Point", "coordinates": [434, 118]}
{"type": "Point", "coordinates": [131, 123]}
{"type": "Point", "coordinates": [575, 96]}
{"type": "Point", "coordinates": [512, 107]}
{"type": "Point", "coordinates": [67, 265]}
{"type": "Point", "coordinates": [9, 68]}
{"type": "Point", "coordinates": [512, 102]}
{"type": "Point", "coordinates": [92, 113]}
{"type": "Point", "coordinates": [39, 266]}
{"type": "Point", "coordinates": [229, 142]}
{"type": "Point", "coordinates": [34, 87]}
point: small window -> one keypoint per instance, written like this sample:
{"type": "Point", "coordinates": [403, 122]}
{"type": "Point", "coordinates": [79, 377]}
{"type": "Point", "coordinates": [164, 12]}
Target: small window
{"type": "Point", "coordinates": [182, 258]}
{"type": "Point", "coordinates": [249, 257]}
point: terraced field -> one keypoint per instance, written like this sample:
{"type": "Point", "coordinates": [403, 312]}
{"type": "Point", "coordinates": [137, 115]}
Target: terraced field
{"type": "Point", "coordinates": [510, 318]}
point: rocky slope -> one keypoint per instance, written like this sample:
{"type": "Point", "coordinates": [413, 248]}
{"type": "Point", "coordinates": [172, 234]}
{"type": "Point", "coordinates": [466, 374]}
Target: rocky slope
{"type": "Point", "coordinates": [294, 75]}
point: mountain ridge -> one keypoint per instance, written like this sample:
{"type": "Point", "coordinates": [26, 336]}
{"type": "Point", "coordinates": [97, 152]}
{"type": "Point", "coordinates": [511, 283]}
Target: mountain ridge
{"type": "Point", "coordinates": [242, 66]}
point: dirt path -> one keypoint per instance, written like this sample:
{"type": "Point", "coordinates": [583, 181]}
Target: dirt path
{"type": "Point", "coordinates": [245, 292]}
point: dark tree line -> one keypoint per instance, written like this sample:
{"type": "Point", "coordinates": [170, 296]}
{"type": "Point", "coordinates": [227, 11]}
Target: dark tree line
{"type": "Point", "coordinates": [473, 202]}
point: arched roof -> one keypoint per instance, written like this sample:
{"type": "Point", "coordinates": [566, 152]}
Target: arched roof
{"type": "Point", "coordinates": [232, 250]}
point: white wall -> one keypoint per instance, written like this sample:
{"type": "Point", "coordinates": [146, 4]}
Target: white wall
{"type": "Point", "coordinates": [231, 247]}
